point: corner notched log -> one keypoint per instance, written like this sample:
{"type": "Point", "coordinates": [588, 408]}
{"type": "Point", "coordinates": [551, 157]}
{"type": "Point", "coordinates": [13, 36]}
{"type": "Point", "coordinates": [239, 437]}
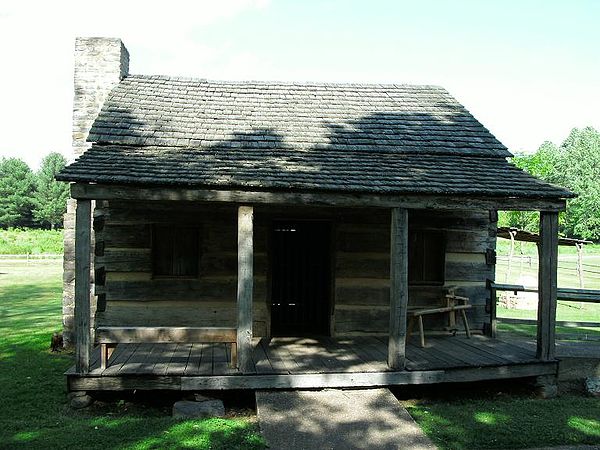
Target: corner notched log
{"type": "Point", "coordinates": [82, 286]}
{"type": "Point", "coordinates": [244, 287]}
{"type": "Point", "coordinates": [547, 285]}
{"type": "Point", "coordinates": [398, 288]}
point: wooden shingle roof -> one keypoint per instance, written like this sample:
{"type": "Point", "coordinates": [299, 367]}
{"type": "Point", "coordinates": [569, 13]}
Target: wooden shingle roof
{"type": "Point", "coordinates": [332, 137]}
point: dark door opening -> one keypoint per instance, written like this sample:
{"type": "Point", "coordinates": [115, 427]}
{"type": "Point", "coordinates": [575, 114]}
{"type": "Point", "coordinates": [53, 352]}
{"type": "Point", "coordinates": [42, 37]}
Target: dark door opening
{"type": "Point", "coordinates": [301, 278]}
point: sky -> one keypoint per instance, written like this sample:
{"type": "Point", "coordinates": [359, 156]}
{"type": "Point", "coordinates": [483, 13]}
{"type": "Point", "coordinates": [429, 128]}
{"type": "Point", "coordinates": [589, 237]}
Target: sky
{"type": "Point", "coordinates": [528, 70]}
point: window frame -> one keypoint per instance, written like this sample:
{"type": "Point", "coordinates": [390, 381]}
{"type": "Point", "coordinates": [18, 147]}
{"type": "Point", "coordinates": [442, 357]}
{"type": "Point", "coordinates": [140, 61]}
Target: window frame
{"type": "Point", "coordinates": [442, 270]}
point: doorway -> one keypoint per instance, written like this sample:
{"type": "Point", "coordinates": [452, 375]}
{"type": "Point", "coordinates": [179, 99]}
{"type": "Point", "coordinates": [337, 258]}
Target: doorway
{"type": "Point", "coordinates": [300, 278]}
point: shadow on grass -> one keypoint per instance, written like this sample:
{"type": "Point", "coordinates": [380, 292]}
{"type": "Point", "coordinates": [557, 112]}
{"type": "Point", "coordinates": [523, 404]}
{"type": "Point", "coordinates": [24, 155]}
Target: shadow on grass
{"type": "Point", "coordinates": [503, 416]}
{"type": "Point", "coordinates": [34, 411]}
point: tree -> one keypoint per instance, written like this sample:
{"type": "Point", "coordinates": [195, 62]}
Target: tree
{"type": "Point", "coordinates": [16, 192]}
{"type": "Point", "coordinates": [541, 164]}
{"type": "Point", "coordinates": [578, 169]}
{"type": "Point", "coordinates": [50, 198]}
{"type": "Point", "coordinates": [576, 166]}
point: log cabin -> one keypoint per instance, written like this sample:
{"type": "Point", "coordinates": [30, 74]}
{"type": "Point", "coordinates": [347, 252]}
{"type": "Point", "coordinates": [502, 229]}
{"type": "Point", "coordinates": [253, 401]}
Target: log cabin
{"type": "Point", "coordinates": [244, 235]}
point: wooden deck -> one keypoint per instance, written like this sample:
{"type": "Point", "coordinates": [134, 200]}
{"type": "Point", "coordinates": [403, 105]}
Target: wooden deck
{"type": "Point", "coordinates": [308, 362]}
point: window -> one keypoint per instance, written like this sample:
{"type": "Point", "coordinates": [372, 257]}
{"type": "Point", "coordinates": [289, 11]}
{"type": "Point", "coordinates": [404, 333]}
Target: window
{"type": "Point", "coordinates": [175, 251]}
{"type": "Point", "coordinates": [426, 257]}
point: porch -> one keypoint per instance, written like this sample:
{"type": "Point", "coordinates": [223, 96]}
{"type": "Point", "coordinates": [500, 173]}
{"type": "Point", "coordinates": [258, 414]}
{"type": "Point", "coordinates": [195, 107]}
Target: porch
{"type": "Point", "coordinates": [289, 362]}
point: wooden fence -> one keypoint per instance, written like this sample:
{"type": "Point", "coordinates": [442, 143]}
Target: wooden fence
{"type": "Point", "coordinates": [563, 294]}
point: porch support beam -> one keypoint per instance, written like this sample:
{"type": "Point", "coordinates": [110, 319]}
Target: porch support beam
{"type": "Point", "coordinates": [244, 288]}
{"type": "Point", "coordinates": [547, 285]}
{"type": "Point", "coordinates": [398, 288]}
{"type": "Point", "coordinates": [349, 200]}
{"type": "Point", "coordinates": [83, 220]}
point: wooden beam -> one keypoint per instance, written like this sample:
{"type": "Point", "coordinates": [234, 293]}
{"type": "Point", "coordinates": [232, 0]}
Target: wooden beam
{"type": "Point", "coordinates": [462, 202]}
{"type": "Point", "coordinates": [547, 285]}
{"type": "Point", "coordinates": [83, 221]}
{"type": "Point", "coordinates": [398, 288]}
{"type": "Point", "coordinates": [129, 335]}
{"type": "Point", "coordinates": [244, 287]}
{"type": "Point", "coordinates": [308, 381]}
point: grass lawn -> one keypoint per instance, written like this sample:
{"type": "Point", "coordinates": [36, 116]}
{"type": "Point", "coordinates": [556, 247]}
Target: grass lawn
{"type": "Point", "coordinates": [488, 418]}
{"type": "Point", "coordinates": [34, 411]}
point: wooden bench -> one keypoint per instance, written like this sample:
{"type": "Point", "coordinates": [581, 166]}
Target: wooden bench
{"type": "Point", "coordinates": [109, 337]}
{"type": "Point", "coordinates": [453, 304]}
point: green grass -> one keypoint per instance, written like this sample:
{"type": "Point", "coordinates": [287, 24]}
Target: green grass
{"type": "Point", "coordinates": [34, 412]}
{"type": "Point", "coordinates": [15, 241]}
{"type": "Point", "coordinates": [508, 421]}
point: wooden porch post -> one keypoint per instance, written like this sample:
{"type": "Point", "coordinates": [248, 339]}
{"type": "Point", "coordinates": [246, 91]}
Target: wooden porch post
{"type": "Point", "coordinates": [244, 289]}
{"type": "Point", "coordinates": [398, 288]}
{"type": "Point", "coordinates": [547, 284]}
{"type": "Point", "coordinates": [83, 219]}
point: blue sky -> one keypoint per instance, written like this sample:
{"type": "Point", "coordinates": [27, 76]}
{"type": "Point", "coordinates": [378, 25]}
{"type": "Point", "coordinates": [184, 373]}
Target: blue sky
{"type": "Point", "coordinates": [528, 70]}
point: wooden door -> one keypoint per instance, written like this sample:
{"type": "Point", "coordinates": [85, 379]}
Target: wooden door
{"type": "Point", "coordinates": [301, 278]}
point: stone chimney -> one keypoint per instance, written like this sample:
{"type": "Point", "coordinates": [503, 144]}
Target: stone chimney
{"type": "Point", "coordinates": [100, 63]}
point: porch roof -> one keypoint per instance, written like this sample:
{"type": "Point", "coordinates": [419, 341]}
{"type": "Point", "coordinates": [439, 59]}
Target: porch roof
{"type": "Point", "coordinates": [377, 172]}
{"type": "Point", "coordinates": [380, 139]}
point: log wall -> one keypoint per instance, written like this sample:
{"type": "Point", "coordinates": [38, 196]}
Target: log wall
{"type": "Point", "coordinates": [129, 296]}
{"type": "Point", "coordinates": [133, 297]}
{"type": "Point", "coordinates": [362, 267]}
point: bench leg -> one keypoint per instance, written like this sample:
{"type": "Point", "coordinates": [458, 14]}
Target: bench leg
{"type": "Point", "coordinates": [234, 355]}
{"type": "Point", "coordinates": [421, 331]}
{"type": "Point", "coordinates": [106, 351]}
{"type": "Point", "coordinates": [465, 322]}
{"type": "Point", "coordinates": [103, 356]}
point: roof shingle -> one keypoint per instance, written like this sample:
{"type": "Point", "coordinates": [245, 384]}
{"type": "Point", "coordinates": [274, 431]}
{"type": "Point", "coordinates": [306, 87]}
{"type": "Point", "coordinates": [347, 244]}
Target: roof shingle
{"type": "Point", "coordinates": [386, 139]}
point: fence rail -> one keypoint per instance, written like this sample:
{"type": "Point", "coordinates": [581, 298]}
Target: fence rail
{"type": "Point", "coordinates": [31, 256]}
{"type": "Point", "coordinates": [564, 294]}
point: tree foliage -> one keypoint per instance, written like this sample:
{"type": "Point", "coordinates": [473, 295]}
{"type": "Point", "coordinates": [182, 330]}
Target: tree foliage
{"type": "Point", "coordinates": [50, 198]}
{"type": "Point", "coordinates": [578, 169]}
{"type": "Point", "coordinates": [575, 164]}
{"type": "Point", "coordinates": [17, 185]}
{"type": "Point", "coordinates": [28, 199]}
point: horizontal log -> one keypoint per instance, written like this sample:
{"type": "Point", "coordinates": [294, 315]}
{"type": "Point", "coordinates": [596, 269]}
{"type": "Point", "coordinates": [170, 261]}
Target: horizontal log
{"type": "Point", "coordinates": [203, 288]}
{"type": "Point", "coordinates": [126, 260]}
{"type": "Point", "coordinates": [309, 381]}
{"type": "Point", "coordinates": [448, 220]}
{"type": "Point", "coordinates": [468, 271]}
{"type": "Point", "coordinates": [364, 320]}
{"type": "Point", "coordinates": [362, 291]}
{"type": "Point", "coordinates": [132, 335]}
{"type": "Point", "coordinates": [477, 258]}
{"type": "Point", "coordinates": [362, 265]}
{"type": "Point", "coordinates": [120, 192]}
{"type": "Point", "coordinates": [469, 241]}
{"type": "Point", "coordinates": [363, 241]}
{"type": "Point", "coordinates": [135, 235]}
{"type": "Point", "coordinates": [174, 314]}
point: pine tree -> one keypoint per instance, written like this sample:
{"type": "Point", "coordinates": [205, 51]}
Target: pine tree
{"type": "Point", "coordinates": [50, 198]}
{"type": "Point", "coordinates": [16, 193]}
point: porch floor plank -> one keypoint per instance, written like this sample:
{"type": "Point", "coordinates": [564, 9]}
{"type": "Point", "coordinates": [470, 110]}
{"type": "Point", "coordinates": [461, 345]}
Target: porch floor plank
{"type": "Point", "coordinates": [121, 359]}
{"type": "Point", "coordinates": [164, 358]}
{"type": "Point", "coordinates": [137, 358]}
{"type": "Point", "coordinates": [453, 352]}
{"type": "Point", "coordinates": [489, 357]}
{"type": "Point", "coordinates": [193, 362]}
{"type": "Point", "coordinates": [206, 365]}
{"type": "Point", "coordinates": [308, 357]}
{"type": "Point", "coordinates": [260, 359]}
